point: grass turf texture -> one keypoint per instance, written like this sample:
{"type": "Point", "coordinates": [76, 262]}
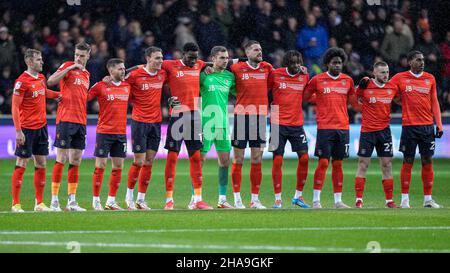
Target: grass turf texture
{"type": "Point", "coordinates": [288, 230]}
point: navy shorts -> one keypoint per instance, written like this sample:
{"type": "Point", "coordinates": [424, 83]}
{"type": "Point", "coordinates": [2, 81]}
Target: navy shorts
{"type": "Point", "coordinates": [145, 136]}
{"type": "Point", "coordinates": [251, 129]}
{"type": "Point", "coordinates": [109, 144]}
{"type": "Point", "coordinates": [332, 143]}
{"type": "Point", "coordinates": [381, 140]}
{"type": "Point", "coordinates": [36, 143]}
{"type": "Point", "coordinates": [70, 135]}
{"type": "Point", "coordinates": [187, 127]}
{"type": "Point", "coordinates": [280, 134]}
{"type": "Point", "coordinates": [422, 135]}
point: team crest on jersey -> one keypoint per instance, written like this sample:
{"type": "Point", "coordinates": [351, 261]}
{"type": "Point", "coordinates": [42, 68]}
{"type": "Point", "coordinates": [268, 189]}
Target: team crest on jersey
{"type": "Point", "coordinates": [389, 91]}
{"type": "Point", "coordinates": [144, 78]}
{"type": "Point", "coordinates": [108, 89]}
{"type": "Point", "coordinates": [370, 92]}
{"type": "Point", "coordinates": [282, 78]}
{"type": "Point", "coordinates": [261, 69]}
{"type": "Point", "coordinates": [344, 82]}
{"type": "Point", "coordinates": [300, 78]}
{"type": "Point", "coordinates": [226, 81]}
{"type": "Point", "coordinates": [325, 82]}
{"type": "Point", "coordinates": [159, 77]}
{"type": "Point", "coordinates": [427, 82]}
{"type": "Point", "coordinates": [408, 81]}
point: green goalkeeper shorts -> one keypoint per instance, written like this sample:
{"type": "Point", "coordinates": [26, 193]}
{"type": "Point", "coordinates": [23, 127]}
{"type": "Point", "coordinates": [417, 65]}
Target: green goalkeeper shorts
{"type": "Point", "coordinates": [220, 137]}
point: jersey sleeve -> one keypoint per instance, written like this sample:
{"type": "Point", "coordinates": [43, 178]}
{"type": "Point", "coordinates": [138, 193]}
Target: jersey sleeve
{"type": "Point", "coordinates": [18, 95]}
{"type": "Point", "coordinates": [94, 91]}
{"type": "Point", "coordinates": [270, 81]}
{"type": "Point", "coordinates": [130, 78]}
{"type": "Point", "coordinates": [19, 88]}
{"type": "Point", "coordinates": [202, 78]}
{"type": "Point", "coordinates": [166, 65]}
{"type": "Point", "coordinates": [201, 64]}
{"type": "Point", "coordinates": [311, 88]}
{"type": "Point", "coordinates": [233, 67]}
{"type": "Point", "coordinates": [351, 91]}
{"type": "Point", "coordinates": [233, 85]}
{"type": "Point", "coordinates": [64, 66]}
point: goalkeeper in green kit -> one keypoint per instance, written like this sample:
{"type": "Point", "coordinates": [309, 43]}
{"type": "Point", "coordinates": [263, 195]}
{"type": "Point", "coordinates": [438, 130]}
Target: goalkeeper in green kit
{"type": "Point", "coordinates": [214, 90]}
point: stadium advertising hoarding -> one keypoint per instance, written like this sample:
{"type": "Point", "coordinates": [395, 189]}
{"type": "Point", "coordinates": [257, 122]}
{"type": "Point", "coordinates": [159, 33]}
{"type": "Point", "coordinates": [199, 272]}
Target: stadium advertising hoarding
{"type": "Point", "coordinates": [7, 142]}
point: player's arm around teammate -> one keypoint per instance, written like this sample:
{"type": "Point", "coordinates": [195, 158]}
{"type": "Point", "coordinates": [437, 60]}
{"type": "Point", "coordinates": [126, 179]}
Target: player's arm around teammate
{"type": "Point", "coordinates": [250, 120]}
{"type": "Point", "coordinates": [376, 96]}
{"type": "Point", "coordinates": [146, 88]}
{"type": "Point", "coordinates": [286, 123]}
{"type": "Point", "coordinates": [29, 117]}
{"type": "Point", "coordinates": [332, 89]}
{"type": "Point", "coordinates": [215, 88]}
{"type": "Point", "coordinates": [111, 132]}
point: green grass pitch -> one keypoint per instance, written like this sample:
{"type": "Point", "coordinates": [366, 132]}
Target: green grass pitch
{"type": "Point", "coordinates": [290, 229]}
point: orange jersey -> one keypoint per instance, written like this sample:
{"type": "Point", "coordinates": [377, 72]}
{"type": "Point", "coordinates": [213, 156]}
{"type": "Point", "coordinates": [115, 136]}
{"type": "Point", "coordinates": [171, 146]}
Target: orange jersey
{"type": "Point", "coordinates": [184, 82]}
{"type": "Point", "coordinates": [332, 96]}
{"type": "Point", "coordinates": [287, 92]}
{"type": "Point", "coordinates": [376, 106]}
{"type": "Point", "coordinates": [146, 89]}
{"type": "Point", "coordinates": [113, 102]}
{"type": "Point", "coordinates": [251, 88]}
{"type": "Point", "coordinates": [415, 93]}
{"type": "Point", "coordinates": [74, 88]}
{"type": "Point", "coordinates": [32, 111]}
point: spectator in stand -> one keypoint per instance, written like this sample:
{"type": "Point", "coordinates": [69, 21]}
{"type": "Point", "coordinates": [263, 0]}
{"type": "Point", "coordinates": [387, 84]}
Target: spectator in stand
{"type": "Point", "coordinates": [445, 72]}
{"type": "Point", "coordinates": [184, 32]}
{"type": "Point", "coordinates": [312, 39]}
{"type": "Point", "coordinates": [8, 51]}
{"type": "Point", "coordinates": [209, 33]}
{"type": "Point", "coordinates": [395, 44]}
{"type": "Point", "coordinates": [431, 53]}
{"type": "Point", "coordinates": [221, 14]}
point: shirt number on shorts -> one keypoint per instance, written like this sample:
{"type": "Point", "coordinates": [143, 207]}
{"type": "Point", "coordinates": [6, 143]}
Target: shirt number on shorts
{"type": "Point", "coordinates": [432, 146]}
{"type": "Point", "coordinates": [303, 138]}
{"type": "Point", "coordinates": [387, 146]}
{"type": "Point", "coordinates": [347, 147]}
{"type": "Point", "coordinates": [124, 147]}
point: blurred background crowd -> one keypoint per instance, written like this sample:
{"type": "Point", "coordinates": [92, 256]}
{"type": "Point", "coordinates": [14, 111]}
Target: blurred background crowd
{"type": "Point", "coordinates": [125, 28]}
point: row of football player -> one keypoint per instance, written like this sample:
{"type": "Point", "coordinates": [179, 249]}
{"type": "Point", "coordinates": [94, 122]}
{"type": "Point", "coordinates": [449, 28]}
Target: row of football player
{"type": "Point", "coordinates": [250, 82]}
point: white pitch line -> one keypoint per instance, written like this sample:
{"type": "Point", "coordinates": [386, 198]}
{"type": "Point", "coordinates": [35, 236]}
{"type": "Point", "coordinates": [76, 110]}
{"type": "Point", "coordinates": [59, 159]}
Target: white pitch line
{"type": "Point", "coordinates": [218, 247]}
{"type": "Point", "coordinates": [226, 230]}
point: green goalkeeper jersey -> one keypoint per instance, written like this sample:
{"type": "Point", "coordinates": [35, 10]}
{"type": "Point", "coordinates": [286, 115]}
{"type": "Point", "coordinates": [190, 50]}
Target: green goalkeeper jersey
{"type": "Point", "coordinates": [214, 90]}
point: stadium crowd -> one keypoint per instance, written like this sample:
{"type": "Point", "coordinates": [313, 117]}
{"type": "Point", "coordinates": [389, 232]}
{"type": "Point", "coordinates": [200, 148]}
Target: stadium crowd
{"type": "Point", "coordinates": [124, 29]}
